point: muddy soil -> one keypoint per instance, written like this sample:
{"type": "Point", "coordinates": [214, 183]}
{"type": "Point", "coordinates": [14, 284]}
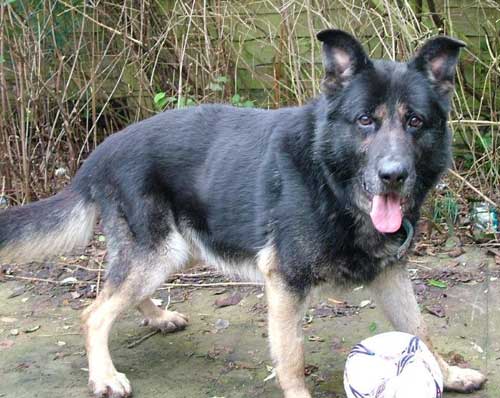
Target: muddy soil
{"type": "Point", "coordinates": [224, 352]}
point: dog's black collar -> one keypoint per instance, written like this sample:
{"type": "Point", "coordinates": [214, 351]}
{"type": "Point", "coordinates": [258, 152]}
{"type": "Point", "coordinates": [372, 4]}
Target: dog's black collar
{"type": "Point", "coordinates": [403, 249]}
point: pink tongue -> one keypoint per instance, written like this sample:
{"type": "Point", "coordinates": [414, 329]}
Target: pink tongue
{"type": "Point", "coordinates": [386, 213]}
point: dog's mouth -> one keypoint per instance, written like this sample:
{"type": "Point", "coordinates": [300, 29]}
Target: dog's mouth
{"type": "Point", "coordinates": [387, 212]}
{"type": "Point", "coordinates": [386, 209]}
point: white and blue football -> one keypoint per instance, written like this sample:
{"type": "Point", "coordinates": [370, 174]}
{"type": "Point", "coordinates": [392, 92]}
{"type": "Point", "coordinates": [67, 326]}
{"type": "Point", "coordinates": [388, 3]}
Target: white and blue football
{"type": "Point", "coordinates": [392, 365]}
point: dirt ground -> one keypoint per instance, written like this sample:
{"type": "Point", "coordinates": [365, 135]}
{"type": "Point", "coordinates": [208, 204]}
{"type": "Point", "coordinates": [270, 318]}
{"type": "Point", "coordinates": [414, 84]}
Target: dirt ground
{"type": "Point", "coordinates": [223, 353]}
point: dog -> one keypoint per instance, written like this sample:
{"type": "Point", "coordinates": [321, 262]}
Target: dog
{"type": "Point", "coordinates": [323, 194]}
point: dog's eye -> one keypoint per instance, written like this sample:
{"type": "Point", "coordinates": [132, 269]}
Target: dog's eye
{"type": "Point", "coordinates": [365, 120]}
{"type": "Point", "coordinates": [415, 122]}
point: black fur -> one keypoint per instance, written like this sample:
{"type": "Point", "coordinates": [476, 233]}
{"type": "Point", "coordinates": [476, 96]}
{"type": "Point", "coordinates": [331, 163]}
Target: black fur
{"type": "Point", "coordinates": [293, 176]}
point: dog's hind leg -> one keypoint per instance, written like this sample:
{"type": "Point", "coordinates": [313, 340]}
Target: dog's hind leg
{"type": "Point", "coordinates": [133, 276]}
{"type": "Point", "coordinates": [164, 320]}
{"type": "Point", "coordinates": [394, 293]}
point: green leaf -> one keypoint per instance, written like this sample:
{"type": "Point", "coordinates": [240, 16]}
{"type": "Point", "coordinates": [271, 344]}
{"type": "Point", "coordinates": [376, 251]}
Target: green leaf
{"type": "Point", "coordinates": [436, 283]}
{"type": "Point", "coordinates": [248, 104]}
{"type": "Point", "coordinates": [161, 100]}
{"type": "Point", "coordinates": [190, 102]}
{"type": "Point", "coordinates": [236, 99]}
{"type": "Point", "coordinates": [2, 59]}
{"type": "Point", "coordinates": [7, 2]}
{"type": "Point", "coordinates": [221, 79]}
{"type": "Point", "coordinates": [373, 327]}
{"type": "Point", "coordinates": [486, 141]}
{"type": "Point", "coordinates": [159, 97]}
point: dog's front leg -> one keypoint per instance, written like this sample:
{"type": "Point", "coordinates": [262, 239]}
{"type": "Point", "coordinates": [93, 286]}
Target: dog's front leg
{"type": "Point", "coordinates": [394, 293]}
{"type": "Point", "coordinates": [285, 313]}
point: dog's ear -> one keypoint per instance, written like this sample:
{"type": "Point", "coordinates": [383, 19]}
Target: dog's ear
{"type": "Point", "coordinates": [438, 59]}
{"type": "Point", "coordinates": [343, 58]}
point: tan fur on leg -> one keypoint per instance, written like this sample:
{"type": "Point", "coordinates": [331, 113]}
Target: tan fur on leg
{"type": "Point", "coordinates": [104, 379]}
{"type": "Point", "coordinates": [285, 328]}
{"type": "Point", "coordinates": [140, 276]}
{"type": "Point", "coordinates": [164, 320]}
{"type": "Point", "coordinates": [394, 293]}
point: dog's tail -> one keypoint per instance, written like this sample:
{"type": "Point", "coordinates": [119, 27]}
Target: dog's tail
{"type": "Point", "coordinates": [50, 226]}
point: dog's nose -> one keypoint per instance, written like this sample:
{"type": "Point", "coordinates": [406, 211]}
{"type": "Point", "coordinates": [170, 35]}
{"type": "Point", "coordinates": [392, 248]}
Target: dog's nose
{"type": "Point", "coordinates": [393, 173]}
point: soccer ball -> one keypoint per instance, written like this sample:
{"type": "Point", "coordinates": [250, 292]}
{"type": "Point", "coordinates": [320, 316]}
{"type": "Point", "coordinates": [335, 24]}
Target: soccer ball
{"type": "Point", "coordinates": [392, 365]}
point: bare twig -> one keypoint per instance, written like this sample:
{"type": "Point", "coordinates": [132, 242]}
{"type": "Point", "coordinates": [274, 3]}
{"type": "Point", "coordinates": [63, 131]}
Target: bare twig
{"type": "Point", "coordinates": [60, 98]}
{"type": "Point", "coordinates": [85, 15]}
{"type": "Point", "coordinates": [135, 343]}
{"type": "Point", "coordinates": [165, 286]}
{"type": "Point", "coordinates": [482, 195]}
{"type": "Point", "coordinates": [197, 274]}
{"type": "Point", "coordinates": [98, 283]}
{"type": "Point", "coordinates": [84, 268]}
{"type": "Point", "coordinates": [209, 285]}
{"type": "Point", "coordinates": [32, 279]}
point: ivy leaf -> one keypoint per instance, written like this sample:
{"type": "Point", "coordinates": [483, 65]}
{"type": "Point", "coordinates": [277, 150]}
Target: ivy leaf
{"type": "Point", "coordinates": [436, 283]}
{"type": "Point", "coordinates": [159, 98]}
{"type": "Point", "coordinates": [236, 99]}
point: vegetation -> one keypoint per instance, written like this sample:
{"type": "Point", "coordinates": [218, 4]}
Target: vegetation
{"type": "Point", "coordinates": [73, 72]}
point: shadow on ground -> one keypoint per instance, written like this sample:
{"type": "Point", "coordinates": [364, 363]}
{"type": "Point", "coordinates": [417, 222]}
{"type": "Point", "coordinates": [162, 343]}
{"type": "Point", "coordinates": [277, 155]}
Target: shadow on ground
{"type": "Point", "coordinates": [224, 353]}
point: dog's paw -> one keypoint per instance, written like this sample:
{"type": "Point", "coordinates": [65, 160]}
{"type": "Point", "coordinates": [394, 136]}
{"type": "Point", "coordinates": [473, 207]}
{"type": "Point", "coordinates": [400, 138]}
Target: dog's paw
{"type": "Point", "coordinates": [111, 385]}
{"type": "Point", "coordinates": [463, 380]}
{"type": "Point", "coordinates": [167, 322]}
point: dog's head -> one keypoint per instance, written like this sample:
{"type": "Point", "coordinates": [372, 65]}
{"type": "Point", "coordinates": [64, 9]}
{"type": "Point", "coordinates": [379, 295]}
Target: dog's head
{"type": "Point", "coordinates": [384, 138]}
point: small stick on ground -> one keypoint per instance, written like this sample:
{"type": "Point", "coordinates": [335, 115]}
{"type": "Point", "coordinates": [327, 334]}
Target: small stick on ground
{"type": "Point", "coordinates": [82, 267]}
{"type": "Point", "coordinates": [98, 284]}
{"type": "Point", "coordinates": [420, 265]}
{"type": "Point", "coordinates": [210, 285]}
{"type": "Point", "coordinates": [57, 335]}
{"type": "Point", "coordinates": [32, 279]}
{"type": "Point", "coordinates": [166, 286]}
{"type": "Point", "coordinates": [135, 343]}
{"type": "Point", "coordinates": [197, 275]}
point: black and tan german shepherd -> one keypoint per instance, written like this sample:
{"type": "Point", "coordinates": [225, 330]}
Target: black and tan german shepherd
{"type": "Point", "coordinates": [326, 193]}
